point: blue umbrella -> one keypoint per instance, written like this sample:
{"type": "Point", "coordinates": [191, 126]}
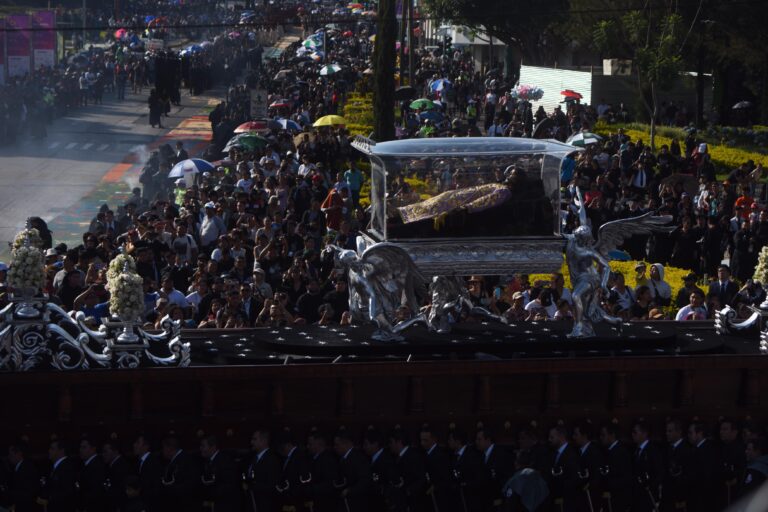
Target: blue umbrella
{"type": "Point", "coordinates": [618, 255]}
{"type": "Point", "coordinates": [440, 84]}
{"type": "Point", "coordinates": [289, 124]}
{"type": "Point", "coordinates": [147, 19]}
{"type": "Point", "coordinates": [189, 167]}
{"type": "Point", "coordinates": [432, 115]}
{"type": "Point", "coordinates": [195, 48]}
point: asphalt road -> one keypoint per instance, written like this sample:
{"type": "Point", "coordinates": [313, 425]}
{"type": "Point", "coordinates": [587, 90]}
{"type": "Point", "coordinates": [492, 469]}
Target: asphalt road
{"type": "Point", "coordinates": [54, 177]}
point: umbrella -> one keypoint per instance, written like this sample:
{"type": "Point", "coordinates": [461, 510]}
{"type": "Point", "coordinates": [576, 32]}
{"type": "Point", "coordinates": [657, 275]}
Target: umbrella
{"type": "Point", "coordinates": [120, 33]}
{"type": "Point", "coordinates": [288, 124]}
{"type": "Point", "coordinates": [347, 33]}
{"type": "Point", "coordinates": [568, 93]}
{"type": "Point", "coordinates": [440, 84]}
{"type": "Point", "coordinates": [405, 92]}
{"type": "Point", "coordinates": [317, 56]}
{"type": "Point", "coordinates": [234, 35]}
{"type": "Point", "coordinates": [312, 43]}
{"type": "Point", "coordinates": [330, 121]}
{"type": "Point", "coordinates": [422, 104]}
{"type": "Point", "coordinates": [330, 69]}
{"type": "Point", "coordinates": [190, 167]}
{"type": "Point", "coordinates": [742, 105]}
{"type": "Point", "coordinates": [582, 139]}
{"type": "Point", "coordinates": [283, 74]}
{"type": "Point", "coordinates": [252, 126]}
{"type": "Point", "coordinates": [281, 104]}
{"type": "Point", "coordinates": [431, 115]}
{"type": "Point", "coordinates": [355, 6]}
{"type": "Point", "coordinates": [206, 44]}
{"type": "Point", "coordinates": [248, 141]}
{"type": "Point", "coordinates": [148, 19]}
{"type": "Point", "coordinates": [195, 48]}
{"type": "Point", "coordinates": [617, 255]}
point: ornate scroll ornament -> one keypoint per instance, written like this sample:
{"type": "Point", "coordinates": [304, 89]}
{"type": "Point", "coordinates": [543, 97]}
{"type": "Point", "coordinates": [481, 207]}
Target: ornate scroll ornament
{"type": "Point", "coordinates": [725, 321]}
{"type": "Point", "coordinates": [52, 339]}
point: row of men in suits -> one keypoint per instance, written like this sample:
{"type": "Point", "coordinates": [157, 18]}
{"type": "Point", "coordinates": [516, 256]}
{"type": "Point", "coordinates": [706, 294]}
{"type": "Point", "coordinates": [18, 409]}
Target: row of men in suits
{"type": "Point", "coordinates": [579, 469]}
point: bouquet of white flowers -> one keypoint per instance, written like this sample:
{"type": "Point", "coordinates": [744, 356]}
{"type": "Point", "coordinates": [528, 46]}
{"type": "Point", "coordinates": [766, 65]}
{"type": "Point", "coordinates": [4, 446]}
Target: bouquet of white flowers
{"type": "Point", "coordinates": [126, 289]}
{"type": "Point", "coordinates": [31, 234]}
{"type": "Point", "coordinates": [121, 263]}
{"type": "Point", "coordinates": [761, 270]}
{"type": "Point", "coordinates": [27, 261]}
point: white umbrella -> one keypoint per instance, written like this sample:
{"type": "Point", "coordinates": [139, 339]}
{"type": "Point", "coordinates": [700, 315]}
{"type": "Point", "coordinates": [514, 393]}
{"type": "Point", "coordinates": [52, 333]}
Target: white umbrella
{"type": "Point", "coordinates": [582, 139]}
{"type": "Point", "coordinates": [330, 69]}
{"type": "Point", "coordinates": [188, 168]}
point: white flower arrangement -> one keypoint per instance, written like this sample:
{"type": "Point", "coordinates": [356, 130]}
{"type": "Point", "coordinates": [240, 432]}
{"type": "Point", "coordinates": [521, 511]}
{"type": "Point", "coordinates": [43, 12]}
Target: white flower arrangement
{"type": "Point", "coordinates": [761, 270]}
{"type": "Point", "coordinates": [34, 239]}
{"type": "Point", "coordinates": [27, 261]}
{"type": "Point", "coordinates": [121, 263]}
{"type": "Point", "coordinates": [126, 289]}
{"type": "Point", "coordinates": [127, 296]}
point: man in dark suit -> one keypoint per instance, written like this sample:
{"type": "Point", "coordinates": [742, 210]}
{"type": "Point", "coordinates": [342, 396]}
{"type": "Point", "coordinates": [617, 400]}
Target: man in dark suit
{"type": "Point", "coordinates": [734, 461]}
{"type": "Point", "coordinates": [648, 469]}
{"type": "Point", "coordinates": [180, 489]}
{"type": "Point", "coordinates": [675, 484]}
{"type": "Point", "coordinates": [617, 472]}
{"type": "Point", "coordinates": [387, 485]}
{"type": "Point", "coordinates": [118, 470]}
{"type": "Point", "coordinates": [706, 463]}
{"type": "Point", "coordinates": [296, 473]}
{"type": "Point", "coordinates": [150, 472]}
{"type": "Point", "coordinates": [725, 289]}
{"type": "Point", "coordinates": [92, 492]}
{"type": "Point", "coordinates": [220, 478]}
{"type": "Point", "coordinates": [263, 474]}
{"type": "Point", "coordinates": [565, 483]}
{"type": "Point", "coordinates": [411, 467]}
{"type": "Point", "coordinates": [24, 481]}
{"type": "Point", "coordinates": [498, 465]}
{"type": "Point", "coordinates": [591, 459]}
{"type": "Point", "coordinates": [60, 490]}
{"type": "Point", "coordinates": [325, 471]}
{"type": "Point", "coordinates": [468, 471]}
{"type": "Point", "coordinates": [181, 153]}
{"type": "Point", "coordinates": [441, 485]}
{"type": "Point", "coordinates": [354, 472]}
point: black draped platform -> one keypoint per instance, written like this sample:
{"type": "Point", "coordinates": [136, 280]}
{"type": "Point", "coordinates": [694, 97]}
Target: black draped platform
{"type": "Point", "coordinates": [466, 341]}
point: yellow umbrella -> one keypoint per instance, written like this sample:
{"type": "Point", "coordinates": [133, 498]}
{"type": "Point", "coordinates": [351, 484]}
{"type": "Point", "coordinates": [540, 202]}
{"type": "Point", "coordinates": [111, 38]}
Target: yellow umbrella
{"type": "Point", "coordinates": [330, 121]}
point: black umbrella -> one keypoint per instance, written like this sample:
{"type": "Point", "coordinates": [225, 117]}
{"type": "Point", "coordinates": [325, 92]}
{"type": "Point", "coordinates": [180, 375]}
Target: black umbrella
{"type": "Point", "coordinates": [742, 105]}
{"type": "Point", "coordinates": [405, 92]}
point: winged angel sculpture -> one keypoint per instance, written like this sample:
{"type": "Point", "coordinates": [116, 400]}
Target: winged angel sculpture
{"type": "Point", "coordinates": [381, 280]}
{"type": "Point", "coordinates": [583, 252]}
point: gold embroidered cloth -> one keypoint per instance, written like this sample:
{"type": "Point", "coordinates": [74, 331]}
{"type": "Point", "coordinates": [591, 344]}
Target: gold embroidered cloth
{"type": "Point", "coordinates": [474, 199]}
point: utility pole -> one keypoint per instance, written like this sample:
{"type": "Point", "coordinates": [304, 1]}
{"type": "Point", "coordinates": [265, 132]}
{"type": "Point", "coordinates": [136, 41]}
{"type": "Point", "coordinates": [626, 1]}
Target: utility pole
{"type": "Point", "coordinates": [84, 23]}
{"type": "Point", "coordinates": [411, 45]}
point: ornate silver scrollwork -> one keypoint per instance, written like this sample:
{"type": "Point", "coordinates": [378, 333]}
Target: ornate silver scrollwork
{"type": "Point", "coordinates": [725, 321]}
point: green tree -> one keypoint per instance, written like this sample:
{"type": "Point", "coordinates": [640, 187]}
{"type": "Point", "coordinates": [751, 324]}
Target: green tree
{"type": "Point", "coordinates": [653, 38]}
{"type": "Point", "coordinates": [527, 28]}
{"type": "Point", "coordinates": [384, 58]}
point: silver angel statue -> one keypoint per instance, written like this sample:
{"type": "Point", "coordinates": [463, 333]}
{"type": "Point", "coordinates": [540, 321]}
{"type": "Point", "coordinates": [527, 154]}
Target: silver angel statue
{"type": "Point", "coordinates": [582, 253]}
{"type": "Point", "coordinates": [381, 280]}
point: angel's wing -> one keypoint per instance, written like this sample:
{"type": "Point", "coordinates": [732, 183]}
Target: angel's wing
{"type": "Point", "coordinates": [579, 201]}
{"type": "Point", "coordinates": [389, 267]}
{"type": "Point", "coordinates": [612, 234]}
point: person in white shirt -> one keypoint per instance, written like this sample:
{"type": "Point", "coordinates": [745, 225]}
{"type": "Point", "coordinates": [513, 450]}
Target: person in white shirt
{"type": "Point", "coordinates": [696, 310]}
{"type": "Point", "coordinates": [173, 295]}
{"type": "Point", "coordinates": [212, 226]}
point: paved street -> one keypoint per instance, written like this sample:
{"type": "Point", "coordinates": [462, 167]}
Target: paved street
{"type": "Point", "coordinates": [92, 156]}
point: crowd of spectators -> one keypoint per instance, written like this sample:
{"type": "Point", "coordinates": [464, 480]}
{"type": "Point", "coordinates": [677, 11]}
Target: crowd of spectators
{"type": "Point", "coordinates": [581, 466]}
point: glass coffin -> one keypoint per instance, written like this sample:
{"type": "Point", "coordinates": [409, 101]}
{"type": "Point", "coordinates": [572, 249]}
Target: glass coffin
{"type": "Point", "coordinates": [495, 198]}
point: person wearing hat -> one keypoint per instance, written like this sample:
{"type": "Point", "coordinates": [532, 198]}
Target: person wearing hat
{"type": "Point", "coordinates": [516, 311]}
{"type": "Point", "coordinates": [689, 286]}
{"type": "Point", "coordinates": [640, 278]}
